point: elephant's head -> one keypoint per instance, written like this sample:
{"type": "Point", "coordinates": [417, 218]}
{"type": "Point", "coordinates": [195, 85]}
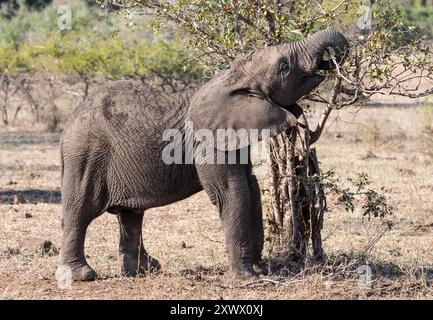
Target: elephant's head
{"type": "Point", "coordinates": [260, 91]}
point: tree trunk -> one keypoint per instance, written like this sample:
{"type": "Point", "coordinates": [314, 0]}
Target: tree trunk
{"type": "Point", "coordinates": [86, 87]}
{"type": "Point", "coordinates": [5, 84]}
{"type": "Point", "coordinates": [297, 195]}
{"type": "Point", "coordinates": [297, 229]}
{"type": "Point", "coordinates": [53, 118]}
{"type": "Point", "coordinates": [26, 89]}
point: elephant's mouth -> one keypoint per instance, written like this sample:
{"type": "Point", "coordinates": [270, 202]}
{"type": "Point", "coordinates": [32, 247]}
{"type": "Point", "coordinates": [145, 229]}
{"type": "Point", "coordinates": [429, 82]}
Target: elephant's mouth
{"type": "Point", "coordinates": [310, 83]}
{"type": "Point", "coordinates": [314, 76]}
{"type": "Point", "coordinates": [315, 80]}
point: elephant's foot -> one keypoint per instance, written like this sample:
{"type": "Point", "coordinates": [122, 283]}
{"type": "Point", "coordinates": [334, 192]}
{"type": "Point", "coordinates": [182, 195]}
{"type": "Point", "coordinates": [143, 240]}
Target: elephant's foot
{"type": "Point", "coordinates": [261, 268]}
{"type": "Point", "coordinates": [239, 277]}
{"type": "Point", "coordinates": [242, 272]}
{"type": "Point", "coordinates": [82, 272]}
{"type": "Point", "coordinates": [246, 275]}
{"type": "Point", "coordinates": [152, 264]}
{"type": "Point", "coordinates": [130, 266]}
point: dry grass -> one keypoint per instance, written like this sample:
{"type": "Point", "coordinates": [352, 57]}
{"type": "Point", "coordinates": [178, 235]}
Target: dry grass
{"type": "Point", "coordinates": [401, 260]}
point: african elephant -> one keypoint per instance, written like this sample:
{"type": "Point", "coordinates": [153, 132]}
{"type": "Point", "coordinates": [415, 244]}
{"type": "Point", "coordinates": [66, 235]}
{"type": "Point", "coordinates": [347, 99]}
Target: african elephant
{"type": "Point", "coordinates": [111, 151]}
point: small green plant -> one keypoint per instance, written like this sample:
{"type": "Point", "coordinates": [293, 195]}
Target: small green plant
{"type": "Point", "coordinates": [374, 204]}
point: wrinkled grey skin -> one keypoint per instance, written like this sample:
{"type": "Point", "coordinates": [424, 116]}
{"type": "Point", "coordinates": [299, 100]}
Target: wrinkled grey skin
{"type": "Point", "coordinates": [111, 152]}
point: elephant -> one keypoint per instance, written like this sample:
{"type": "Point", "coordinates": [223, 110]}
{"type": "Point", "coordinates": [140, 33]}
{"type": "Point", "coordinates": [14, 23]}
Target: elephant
{"type": "Point", "coordinates": [112, 145]}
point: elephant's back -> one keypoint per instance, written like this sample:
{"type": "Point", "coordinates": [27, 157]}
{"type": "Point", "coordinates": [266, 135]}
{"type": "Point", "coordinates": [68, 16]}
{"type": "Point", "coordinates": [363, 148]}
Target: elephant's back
{"type": "Point", "coordinates": [117, 133]}
{"type": "Point", "coordinates": [125, 102]}
{"type": "Point", "coordinates": [127, 111]}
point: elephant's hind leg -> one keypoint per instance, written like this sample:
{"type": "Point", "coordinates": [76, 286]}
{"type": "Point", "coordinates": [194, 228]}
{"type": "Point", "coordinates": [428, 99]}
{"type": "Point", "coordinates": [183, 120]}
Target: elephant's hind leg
{"type": "Point", "coordinates": [133, 257]}
{"type": "Point", "coordinates": [74, 226]}
{"type": "Point", "coordinates": [84, 198]}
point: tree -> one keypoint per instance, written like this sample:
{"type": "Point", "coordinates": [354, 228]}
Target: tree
{"type": "Point", "coordinates": [387, 57]}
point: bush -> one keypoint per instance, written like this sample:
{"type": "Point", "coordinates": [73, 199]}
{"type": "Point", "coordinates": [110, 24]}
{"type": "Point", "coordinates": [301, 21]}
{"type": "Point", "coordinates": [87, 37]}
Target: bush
{"type": "Point", "coordinates": [95, 46]}
{"type": "Point", "coordinates": [419, 12]}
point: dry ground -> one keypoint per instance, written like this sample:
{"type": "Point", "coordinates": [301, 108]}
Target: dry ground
{"type": "Point", "coordinates": [385, 142]}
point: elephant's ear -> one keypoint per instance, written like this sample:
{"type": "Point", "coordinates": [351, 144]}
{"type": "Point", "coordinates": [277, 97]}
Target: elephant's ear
{"type": "Point", "coordinates": [215, 107]}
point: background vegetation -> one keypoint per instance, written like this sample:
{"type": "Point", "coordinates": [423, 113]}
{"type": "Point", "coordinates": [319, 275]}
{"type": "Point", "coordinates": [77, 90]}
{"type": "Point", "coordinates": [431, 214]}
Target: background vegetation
{"type": "Point", "coordinates": [417, 12]}
{"type": "Point", "coordinates": [101, 45]}
{"type": "Point", "coordinates": [97, 47]}
{"type": "Point", "coordinates": [97, 44]}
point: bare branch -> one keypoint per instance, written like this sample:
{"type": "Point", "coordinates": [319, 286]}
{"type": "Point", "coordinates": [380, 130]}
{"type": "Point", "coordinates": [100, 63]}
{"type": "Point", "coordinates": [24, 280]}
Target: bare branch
{"type": "Point", "coordinates": [315, 135]}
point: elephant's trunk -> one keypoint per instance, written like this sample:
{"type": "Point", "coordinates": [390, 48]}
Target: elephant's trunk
{"type": "Point", "coordinates": [316, 44]}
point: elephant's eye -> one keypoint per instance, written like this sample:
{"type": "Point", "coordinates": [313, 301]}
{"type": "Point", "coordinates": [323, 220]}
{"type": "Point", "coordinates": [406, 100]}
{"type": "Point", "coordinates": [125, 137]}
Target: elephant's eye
{"type": "Point", "coordinates": [284, 67]}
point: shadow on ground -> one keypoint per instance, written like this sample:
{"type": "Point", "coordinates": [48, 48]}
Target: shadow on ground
{"type": "Point", "coordinates": [12, 139]}
{"type": "Point", "coordinates": [32, 196]}
{"type": "Point", "coordinates": [342, 266]}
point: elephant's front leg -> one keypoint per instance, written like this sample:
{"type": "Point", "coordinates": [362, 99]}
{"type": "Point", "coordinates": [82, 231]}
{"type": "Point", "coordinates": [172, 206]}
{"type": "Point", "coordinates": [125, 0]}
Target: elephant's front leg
{"type": "Point", "coordinates": [228, 188]}
{"type": "Point", "coordinates": [236, 219]}
{"type": "Point", "coordinates": [257, 224]}
{"type": "Point", "coordinates": [133, 257]}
